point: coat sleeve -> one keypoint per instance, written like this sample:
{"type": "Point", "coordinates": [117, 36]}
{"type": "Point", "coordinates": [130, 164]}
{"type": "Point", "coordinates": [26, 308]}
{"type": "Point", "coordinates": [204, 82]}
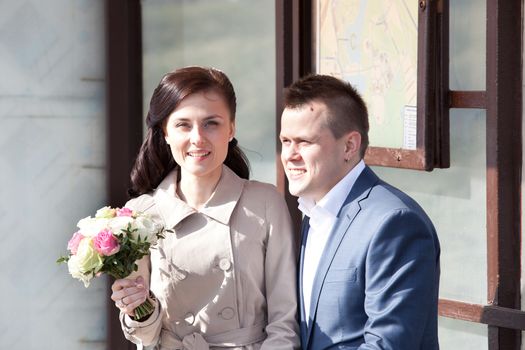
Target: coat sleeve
{"type": "Point", "coordinates": [280, 277]}
{"type": "Point", "coordinates": [142, 333]}
{"type": "Point", "coordinates": [402, 275]}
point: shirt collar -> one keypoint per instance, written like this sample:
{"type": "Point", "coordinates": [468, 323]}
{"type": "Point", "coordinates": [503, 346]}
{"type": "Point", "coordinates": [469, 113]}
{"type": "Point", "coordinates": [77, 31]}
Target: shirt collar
{"type": "Point", "coordinates": [332, 202]}
{"type": "Point", "coordinates": [219, 207]}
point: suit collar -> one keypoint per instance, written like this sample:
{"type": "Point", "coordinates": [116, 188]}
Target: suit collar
{"type": "Point", "coordinates": [219, 207]}
{"type": "Point", "coordinates": [350, 209]}
{"type": "Point", "coordinates": [366, 180]}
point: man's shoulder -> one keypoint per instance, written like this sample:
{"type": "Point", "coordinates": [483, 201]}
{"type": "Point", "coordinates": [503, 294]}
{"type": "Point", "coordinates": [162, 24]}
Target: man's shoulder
{"type": "Point", "coordinates": [384, 197]}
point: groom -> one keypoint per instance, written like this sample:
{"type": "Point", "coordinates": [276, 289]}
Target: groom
{"type": "Point", "coordinates": [369, 263]}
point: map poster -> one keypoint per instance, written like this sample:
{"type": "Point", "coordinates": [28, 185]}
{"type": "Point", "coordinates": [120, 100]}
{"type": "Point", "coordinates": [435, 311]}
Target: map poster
{"type": "Point", "coordinates": [373, 45]}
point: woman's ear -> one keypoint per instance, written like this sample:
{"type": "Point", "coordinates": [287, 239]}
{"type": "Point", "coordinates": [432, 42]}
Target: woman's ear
{"type": "Point", "coordinates": [232, 131]}
{"type": "Point", "coordinates": [165, 134]}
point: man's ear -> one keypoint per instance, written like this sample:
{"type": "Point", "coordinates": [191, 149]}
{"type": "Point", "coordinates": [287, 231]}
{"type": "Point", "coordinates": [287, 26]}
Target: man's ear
{"type": "Point", "coordinates": [352, 145]}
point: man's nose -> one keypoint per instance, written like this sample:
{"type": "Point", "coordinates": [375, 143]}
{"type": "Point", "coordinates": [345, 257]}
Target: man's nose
{"type": "Point", "coordinates": [290, 152]}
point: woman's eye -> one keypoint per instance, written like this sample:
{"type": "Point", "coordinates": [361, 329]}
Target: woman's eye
{"type": "Point", "coordinates": [211, 123]}
{"type": "Point", "coordinates": [182, 125]}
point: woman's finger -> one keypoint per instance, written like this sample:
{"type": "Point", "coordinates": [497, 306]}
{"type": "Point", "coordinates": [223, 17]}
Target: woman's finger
{"type": "Point", "coordinates": [122, 283]}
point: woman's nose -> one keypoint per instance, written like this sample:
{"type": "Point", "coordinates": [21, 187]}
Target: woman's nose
{"type": "Point", "coordinates": [196, 135]}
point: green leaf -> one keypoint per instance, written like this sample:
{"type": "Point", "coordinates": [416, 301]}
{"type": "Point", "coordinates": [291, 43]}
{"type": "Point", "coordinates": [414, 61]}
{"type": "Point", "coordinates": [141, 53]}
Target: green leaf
{"type": "Point", "coordinates": [62, 259]}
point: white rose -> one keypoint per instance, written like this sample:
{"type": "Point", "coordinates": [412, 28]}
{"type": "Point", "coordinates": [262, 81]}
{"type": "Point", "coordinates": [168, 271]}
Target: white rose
{"type": "Point", "coordinates": [90, 227]}
{"type": "Point", "coordinates": [146, 229]}
{"type": "Point", "coordinates": [120, 223]}
{"type": "Point", "coordinates": [73, 265]}
{"type": "Point", "coordinates": [106, 212]}
{"type": "Point", "coordinates": [88, 258]}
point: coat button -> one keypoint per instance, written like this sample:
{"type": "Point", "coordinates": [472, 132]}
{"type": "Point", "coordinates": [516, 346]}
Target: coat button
{"type": "Point", "coordinates": [225, 264]}
{"type": "Point", "coordinates": [189, 318]}
{"type": "Point", "coordinates": [226, 313]}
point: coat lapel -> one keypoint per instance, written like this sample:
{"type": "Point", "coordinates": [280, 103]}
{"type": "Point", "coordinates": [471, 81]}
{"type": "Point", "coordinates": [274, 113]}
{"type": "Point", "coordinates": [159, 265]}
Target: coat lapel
{"type": "Point", "coordinates": [350, 209]}
{"type": "Point", "coordinates": [171, 209]}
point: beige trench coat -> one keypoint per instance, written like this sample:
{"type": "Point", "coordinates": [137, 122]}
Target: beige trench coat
{"type": "Point", "coordinates": [226, 276]}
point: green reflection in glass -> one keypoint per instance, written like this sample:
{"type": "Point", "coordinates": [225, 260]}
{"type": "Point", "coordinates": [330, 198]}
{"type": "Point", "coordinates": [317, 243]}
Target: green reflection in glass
{"type": "Point", "coordinates": [457, 334]}
{"type": "Point", "coordinates": [467, 45]}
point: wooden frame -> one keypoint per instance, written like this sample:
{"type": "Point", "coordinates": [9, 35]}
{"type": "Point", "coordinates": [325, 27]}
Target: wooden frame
{"type": "Point", "coordinates": [124, 120]}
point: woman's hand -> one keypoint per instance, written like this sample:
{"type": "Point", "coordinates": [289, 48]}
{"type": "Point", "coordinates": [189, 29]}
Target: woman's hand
{"type": "Point", "coordinates": [128, 294]}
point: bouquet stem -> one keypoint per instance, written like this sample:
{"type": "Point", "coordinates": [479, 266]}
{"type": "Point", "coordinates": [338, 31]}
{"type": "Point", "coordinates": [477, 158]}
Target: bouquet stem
{"type": "Point", "coordinates": [143, 310]}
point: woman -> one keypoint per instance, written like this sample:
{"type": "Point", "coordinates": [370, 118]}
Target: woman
{"type": "Point", "coordinates": [225, 277]}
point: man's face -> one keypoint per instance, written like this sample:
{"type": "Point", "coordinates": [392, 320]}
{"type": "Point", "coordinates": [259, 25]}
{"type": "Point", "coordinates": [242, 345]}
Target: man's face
{"type": "Point", "coordinates": [313, 159]}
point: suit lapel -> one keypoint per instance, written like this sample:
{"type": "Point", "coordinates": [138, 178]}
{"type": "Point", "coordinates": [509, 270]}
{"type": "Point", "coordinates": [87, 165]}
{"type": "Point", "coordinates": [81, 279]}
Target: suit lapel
{"type": "Point", "coordinates": [350, 209]}
{"type": "Point", "coordinates": [304, 233]}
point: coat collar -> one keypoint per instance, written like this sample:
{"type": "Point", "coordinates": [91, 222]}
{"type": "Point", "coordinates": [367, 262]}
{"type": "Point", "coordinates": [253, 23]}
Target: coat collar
{"type": "Point", "coordinates": [219, 207]}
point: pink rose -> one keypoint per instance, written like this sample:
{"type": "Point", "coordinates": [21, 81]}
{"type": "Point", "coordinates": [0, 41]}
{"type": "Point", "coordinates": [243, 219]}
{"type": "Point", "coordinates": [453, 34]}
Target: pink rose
{"type": "Point", "coordinates": [73, 243]}
{"type": "Point", "coordinates": [105, 243]}
{"type": "Point", "coordinates": [124, 212]}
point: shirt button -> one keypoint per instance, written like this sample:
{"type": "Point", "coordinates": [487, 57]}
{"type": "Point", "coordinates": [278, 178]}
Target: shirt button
{"type": "Point", "coordinates": [225, 264]}
{"type": "Point", "coordinates": [189, 318]}
{"type": "Point", "coordinates": [226, 313]}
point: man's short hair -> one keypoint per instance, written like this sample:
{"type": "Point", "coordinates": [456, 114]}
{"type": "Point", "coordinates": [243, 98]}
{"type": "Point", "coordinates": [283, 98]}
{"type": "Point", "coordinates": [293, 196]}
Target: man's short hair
{"type": "Point", "coordinates": [347, 109]}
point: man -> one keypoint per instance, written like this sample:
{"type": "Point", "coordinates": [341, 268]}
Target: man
{"type": "Point", "coordinates": [369, 263]}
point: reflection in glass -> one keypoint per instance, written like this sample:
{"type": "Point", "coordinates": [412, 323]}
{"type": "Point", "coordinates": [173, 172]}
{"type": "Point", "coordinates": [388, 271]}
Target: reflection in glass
{"type": "Point", "coordinates": [457, 334]}
{"type": "Point", "coordinates": [467, 45]}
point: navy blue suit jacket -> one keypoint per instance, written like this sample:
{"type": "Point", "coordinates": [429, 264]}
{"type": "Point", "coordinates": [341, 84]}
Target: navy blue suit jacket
{"type": "Point", "coordinates": [377, 283]}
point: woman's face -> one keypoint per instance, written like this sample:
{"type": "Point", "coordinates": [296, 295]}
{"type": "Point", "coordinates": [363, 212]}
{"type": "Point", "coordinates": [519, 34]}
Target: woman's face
{"type": "Point", "coordinates": [198, 132]}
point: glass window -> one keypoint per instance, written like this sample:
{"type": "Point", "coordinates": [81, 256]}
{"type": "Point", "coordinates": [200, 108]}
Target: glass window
{"type": "Point", "coordinates": [237, 37]}
{"type": "Point", "coordinates": [467, 45]}
{"type": "Point", "coordinates": [457, 334]}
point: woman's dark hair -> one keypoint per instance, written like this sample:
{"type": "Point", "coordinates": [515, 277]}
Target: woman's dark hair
{"type": "Point", "coordinates": [155, 161]}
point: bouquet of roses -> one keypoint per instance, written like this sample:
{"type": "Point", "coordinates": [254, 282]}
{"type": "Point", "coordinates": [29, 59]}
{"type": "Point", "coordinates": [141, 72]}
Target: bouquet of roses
{"type": "Point", "coordinates": [112, 242]}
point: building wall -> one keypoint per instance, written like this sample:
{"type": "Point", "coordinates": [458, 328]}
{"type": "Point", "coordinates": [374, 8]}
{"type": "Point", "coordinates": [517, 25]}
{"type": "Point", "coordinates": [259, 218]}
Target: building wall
{"type": "Point", "coordinates": [52, 156]}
